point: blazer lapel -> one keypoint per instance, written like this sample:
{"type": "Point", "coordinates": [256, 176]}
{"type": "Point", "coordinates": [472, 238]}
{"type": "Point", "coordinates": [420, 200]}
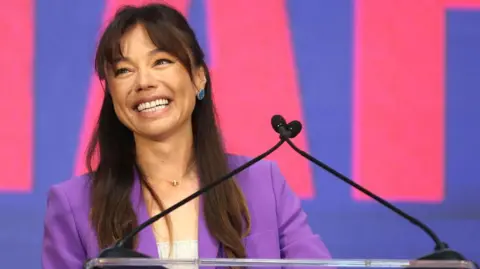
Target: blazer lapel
{"type": "Point", "coordinates": [207, 245]}
{"type": "Point", "coordinates": [146, 238]}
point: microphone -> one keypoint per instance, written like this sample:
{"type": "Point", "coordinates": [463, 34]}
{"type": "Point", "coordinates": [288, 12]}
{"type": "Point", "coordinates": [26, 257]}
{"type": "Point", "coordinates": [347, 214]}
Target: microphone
{"type": "Point", "coordinates": [441, 252]}
{"type": "Point", "coordinates": [280, 126]}
{"type": "Point", "coordinates": [285, 130]}
{"type": "Point", "coordinates": [295, 128]}
{"type": "Point", "coordinates": [120, 249]}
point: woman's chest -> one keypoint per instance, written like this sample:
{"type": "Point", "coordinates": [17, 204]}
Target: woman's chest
{"type": "Point", "coordinates": [181, 224]}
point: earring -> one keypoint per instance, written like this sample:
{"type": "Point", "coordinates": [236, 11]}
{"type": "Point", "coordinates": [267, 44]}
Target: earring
{"type": "Point", "coordinates": [201, 94]}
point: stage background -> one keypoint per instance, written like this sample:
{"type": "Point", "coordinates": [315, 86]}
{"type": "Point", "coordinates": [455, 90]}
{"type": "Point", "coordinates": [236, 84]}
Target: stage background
{"type": "Point", "coordinates": [388, 92]}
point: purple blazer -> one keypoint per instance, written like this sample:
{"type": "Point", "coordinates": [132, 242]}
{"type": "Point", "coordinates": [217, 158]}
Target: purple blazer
{"type": "Point", "coordinates": [279, 227]}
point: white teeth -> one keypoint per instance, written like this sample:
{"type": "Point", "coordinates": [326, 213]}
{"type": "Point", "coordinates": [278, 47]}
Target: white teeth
{"type": "Point", "coordinates": [154, 108]}
{"type": "Point", "coordinates": [152, 105]}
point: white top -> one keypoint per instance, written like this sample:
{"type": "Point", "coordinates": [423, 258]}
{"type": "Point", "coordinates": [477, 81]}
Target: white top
{"type": "Point", "coordinates": [187, 249]}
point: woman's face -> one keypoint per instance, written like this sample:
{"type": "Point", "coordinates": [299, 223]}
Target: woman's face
{"type": "Point", "coordinates": [153, 94]}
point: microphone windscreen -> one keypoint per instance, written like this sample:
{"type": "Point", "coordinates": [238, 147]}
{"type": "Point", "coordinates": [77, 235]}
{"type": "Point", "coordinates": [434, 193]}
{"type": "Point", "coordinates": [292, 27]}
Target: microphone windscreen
{"type": "Point", "coordinates": [277, 121]}
{"type": "Point", "coordinates": [295, 128]}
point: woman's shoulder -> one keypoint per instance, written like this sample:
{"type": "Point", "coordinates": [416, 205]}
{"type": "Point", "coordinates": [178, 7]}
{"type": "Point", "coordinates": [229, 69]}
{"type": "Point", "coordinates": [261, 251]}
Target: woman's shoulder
{"type": "Point", "coordinates": [66, 226]}
{"type": "Point", "coordinates": [276, 214]}
{"type": "Point", "coordinates": [76, 188]}
{"type": "Point", "coordinates": [71, 196]}
{"type": "Point", "coordinates": [262, 183]}
{"type": "Point", "coordinates": [258, 169]}
{"type": "Point", "coordinates": [262, 173]}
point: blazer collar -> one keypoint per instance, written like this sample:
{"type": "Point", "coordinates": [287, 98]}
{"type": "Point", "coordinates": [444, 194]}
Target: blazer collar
{"type": "Point", "coordinates": [207, 245]}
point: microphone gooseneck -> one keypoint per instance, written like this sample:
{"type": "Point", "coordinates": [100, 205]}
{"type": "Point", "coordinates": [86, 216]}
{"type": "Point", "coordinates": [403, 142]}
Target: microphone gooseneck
{"type": "Point", "coordinates": [442, 251]}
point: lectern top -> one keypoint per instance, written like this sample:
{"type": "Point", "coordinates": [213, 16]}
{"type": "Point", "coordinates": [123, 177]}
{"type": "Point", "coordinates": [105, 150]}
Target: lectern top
{"type": "Point", "coordinates": [279, 263]}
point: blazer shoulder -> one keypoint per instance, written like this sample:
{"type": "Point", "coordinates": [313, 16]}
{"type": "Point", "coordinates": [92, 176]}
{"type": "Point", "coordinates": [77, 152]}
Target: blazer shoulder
{"type": "Point", "coordinates": [265, 173]}
{"type": "Point", "coordinates": [72, 196]}
{"type": "Point", "coordinates": [261, 168]}
{"type": "Point", "coordinates": [76, 189]}
{"type": "Point", "coordinates": [274, 206]}
{"type": "Point", "coordinates": [265, 189]}
{"type": "Point", "coordinates": [66, 224]}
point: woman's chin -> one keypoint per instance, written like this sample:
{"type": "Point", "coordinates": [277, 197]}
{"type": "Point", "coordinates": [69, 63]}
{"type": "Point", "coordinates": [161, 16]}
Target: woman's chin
{"type": "Point", "coordinates": [155, 130]}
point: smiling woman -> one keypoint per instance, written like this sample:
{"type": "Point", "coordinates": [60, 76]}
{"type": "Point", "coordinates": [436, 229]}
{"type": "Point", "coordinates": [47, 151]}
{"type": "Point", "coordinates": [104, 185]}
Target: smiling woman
{"type": "Point", "coordinates": [152, 90]}
{"type": "Point", "coordinates": [157, 142]}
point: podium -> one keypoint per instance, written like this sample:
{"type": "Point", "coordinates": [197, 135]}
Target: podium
{"type": "Point", "coordinates": [141, 263]}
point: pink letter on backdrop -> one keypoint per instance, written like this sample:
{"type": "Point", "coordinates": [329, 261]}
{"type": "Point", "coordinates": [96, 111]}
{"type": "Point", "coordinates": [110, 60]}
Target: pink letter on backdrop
{"type": "Point", "coordinates": [254, 77]}
{"type": "Point", "coordinates": [16, 101]}
{"type": "Point", "coordinates": [95, 96]}
{"type": "Point", "coordinates": [468, 4]}
{"type": "Point", "coordinates": [399, 99]}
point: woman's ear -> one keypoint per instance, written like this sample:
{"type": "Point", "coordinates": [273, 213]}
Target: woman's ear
{"type": "Point", "coordinates": [200, 78]}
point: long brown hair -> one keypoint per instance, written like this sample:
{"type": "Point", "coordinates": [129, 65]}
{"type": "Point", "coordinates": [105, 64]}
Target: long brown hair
{"type": "Point", "coordinates": [111, 157]}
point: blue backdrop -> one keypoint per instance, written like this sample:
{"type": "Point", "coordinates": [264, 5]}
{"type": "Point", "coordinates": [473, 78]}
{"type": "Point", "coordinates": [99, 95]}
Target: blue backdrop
{"type": "Point", "coordinates": [322, 35]}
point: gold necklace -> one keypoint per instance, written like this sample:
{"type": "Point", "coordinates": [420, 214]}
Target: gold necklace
{"type": "Point", "coordinates": [174, 182]}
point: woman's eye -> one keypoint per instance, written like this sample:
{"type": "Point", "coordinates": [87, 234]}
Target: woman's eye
{"type": "Point", "coordinates": [162, 62]}
{"type": "Point", "coordinates": [121, 71]}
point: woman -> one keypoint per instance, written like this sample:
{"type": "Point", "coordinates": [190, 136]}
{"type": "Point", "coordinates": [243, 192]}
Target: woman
{"type": "Point", "coordinates": [157, 142]}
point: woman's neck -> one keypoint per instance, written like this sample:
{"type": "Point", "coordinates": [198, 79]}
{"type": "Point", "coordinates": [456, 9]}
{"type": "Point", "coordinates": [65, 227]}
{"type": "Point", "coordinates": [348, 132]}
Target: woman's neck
{"type": "Point", "coordinates": [167, 160]}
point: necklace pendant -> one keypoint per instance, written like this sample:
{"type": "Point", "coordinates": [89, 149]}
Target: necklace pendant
{"type": "Point", "coordinates": [174, 183]}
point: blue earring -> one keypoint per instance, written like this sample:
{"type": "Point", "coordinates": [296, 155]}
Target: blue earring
{"type": "Point", "coordinates": [201, 94]}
